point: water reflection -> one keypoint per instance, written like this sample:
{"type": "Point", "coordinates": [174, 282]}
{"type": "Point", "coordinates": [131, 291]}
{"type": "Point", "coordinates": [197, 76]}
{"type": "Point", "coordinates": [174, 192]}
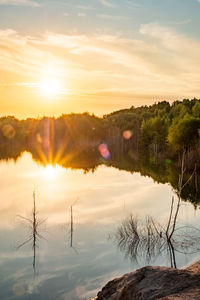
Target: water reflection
{"type": "Point", "coordinates": [102, 198]}
{"type": "Point", "coordinates": [162, 171]}
{"type": "Point", "coordinates": [62, 273]}
{"type": "Point", "coordinates": [71, 230]}
{"type": "Point", "coordinates": [34, 226]}
{"type": "Point", "coordinates": [146, 239]}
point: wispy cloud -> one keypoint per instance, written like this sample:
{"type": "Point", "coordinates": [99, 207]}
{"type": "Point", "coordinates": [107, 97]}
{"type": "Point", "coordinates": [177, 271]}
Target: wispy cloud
{"type": "Point", "coordinates": [83, 7]}
{"type": "Point", "coordinates": [162, 60]}
{"type": "Point", "coordinates": [20, 3]}
{"type": "Point", "coordinates": [112, 17]}
{"type": "Point", "coordinates": [133, 4]}
{"type": "Point", "coordinates": [107, 3]}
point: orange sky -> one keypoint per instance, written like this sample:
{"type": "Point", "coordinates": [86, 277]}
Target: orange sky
{"type": "Point", "coordinates": [98, 68]}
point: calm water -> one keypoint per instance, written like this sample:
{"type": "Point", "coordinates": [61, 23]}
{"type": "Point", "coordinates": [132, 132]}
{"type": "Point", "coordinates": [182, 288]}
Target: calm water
{"type": "Point", "coordinates": [75, 252]}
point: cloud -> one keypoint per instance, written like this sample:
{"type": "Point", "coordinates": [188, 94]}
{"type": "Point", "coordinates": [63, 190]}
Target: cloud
{"type": "Point", "coordinates": [171, 40]}
{"type": "Point", "coordinates": [20, 3]}
{"type": "Point", "coordinates": [161, 62]}
{"type": "Point", "coordinates": [107, 3]}
{"type": "Point", "coordinates": [84, 7]}
{"type": "Point", "coordinates": [112, 17]}
{"type": "Point", "coordinates": [133, 4]}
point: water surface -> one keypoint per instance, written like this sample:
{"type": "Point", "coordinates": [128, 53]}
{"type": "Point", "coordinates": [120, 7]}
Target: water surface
{"type": "Point", "coordinates": [76, 252]}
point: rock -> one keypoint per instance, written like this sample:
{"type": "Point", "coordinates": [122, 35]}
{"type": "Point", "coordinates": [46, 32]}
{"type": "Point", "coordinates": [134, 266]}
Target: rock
{"type": "Point", "coordinates": [155, 283]}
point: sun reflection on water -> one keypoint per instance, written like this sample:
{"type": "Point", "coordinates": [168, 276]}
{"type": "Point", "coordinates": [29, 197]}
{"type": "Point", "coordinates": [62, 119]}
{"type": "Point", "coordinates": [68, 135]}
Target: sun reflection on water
{"type": "Point", "coordinates": [50, 172]}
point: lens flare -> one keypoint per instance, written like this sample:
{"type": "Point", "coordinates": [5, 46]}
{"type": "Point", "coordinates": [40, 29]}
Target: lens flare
{"type": "Point", "coordinates": [8, 131]}
{"type": "Point", "coordinates": [127, 134]}
{"type": "Point", "coordinates": [103, 150]}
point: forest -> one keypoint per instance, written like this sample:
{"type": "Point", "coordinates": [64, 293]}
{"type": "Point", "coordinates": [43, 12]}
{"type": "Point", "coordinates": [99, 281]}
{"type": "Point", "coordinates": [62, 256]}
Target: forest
{"type": "Point", "coordinates": [159, 130]}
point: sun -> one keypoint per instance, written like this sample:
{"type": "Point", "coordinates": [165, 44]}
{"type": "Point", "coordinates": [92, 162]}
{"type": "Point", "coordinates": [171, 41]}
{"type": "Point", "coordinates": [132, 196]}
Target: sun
{"type": "Point", "coordinates": [50, 87]}
{"type": "Point", "coordinates": [51, 79]}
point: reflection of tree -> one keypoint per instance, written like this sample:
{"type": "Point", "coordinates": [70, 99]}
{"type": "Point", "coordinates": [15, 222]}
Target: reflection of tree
{"type": "Point", "coordinates": [88, 159]}
{"type": "Point", "coordinates": [33, 225]}
{"type": "Point", "coordinates": [148, 238]}
{"type": "Point", "coordinates": [71, 228]}
{"type": "Point", "coordinates": [139, 237]}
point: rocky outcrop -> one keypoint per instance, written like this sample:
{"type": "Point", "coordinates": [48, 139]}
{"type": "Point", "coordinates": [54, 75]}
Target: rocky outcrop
{"type": "Point", "coordinates": [155, 283]}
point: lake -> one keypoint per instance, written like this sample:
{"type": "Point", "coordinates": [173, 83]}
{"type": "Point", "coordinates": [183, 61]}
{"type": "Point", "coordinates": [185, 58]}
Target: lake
{"type": "Point", "coordinates": [77, 217]}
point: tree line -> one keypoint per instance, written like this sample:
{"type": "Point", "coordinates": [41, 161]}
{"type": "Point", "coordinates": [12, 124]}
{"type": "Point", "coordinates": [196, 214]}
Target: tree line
{"type": "Point", "coordinates": [161, 130]}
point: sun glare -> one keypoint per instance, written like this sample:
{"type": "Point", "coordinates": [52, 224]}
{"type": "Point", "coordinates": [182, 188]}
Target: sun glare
{"type": "Point", "coordinates": [50, 87]}
{"type": "Point", "coordinates": [49, 172]}
{"type": "Point", "coordinates": [52, 79]}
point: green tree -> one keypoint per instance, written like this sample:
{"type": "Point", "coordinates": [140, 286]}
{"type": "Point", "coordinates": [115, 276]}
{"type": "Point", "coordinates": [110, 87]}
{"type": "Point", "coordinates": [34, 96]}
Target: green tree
{"type": "Point", "coordinates": [196, 109]}
{"type": "Point", "coordinates": [184, 134]}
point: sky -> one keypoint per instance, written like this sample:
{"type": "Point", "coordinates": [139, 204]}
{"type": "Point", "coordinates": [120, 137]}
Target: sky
{"type": "Point", "coordinates": [62, 56]}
